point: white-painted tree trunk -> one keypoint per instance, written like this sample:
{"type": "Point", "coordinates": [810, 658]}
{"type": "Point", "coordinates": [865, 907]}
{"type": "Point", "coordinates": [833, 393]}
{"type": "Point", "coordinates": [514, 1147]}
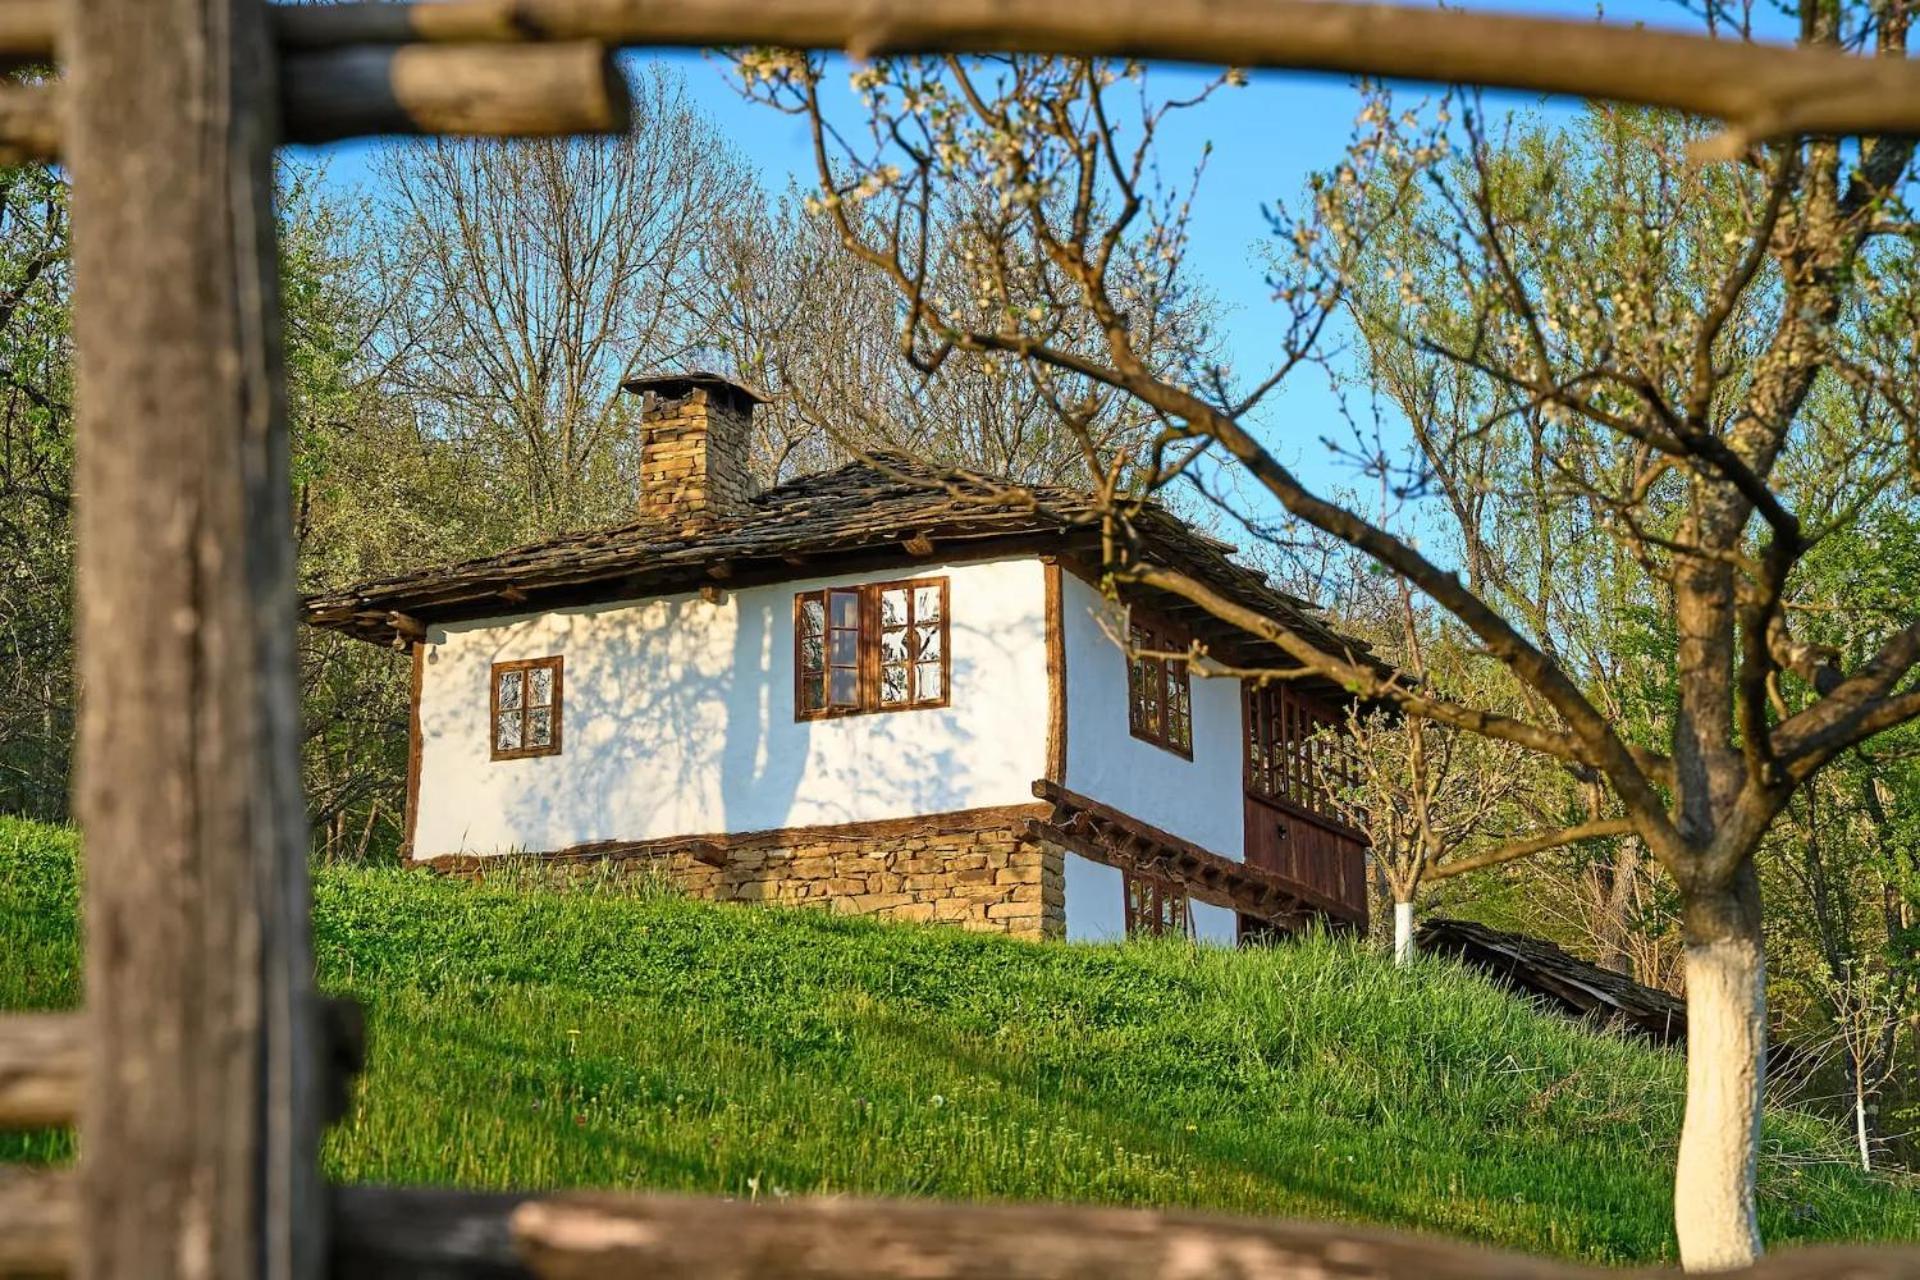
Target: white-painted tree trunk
{"type": "Point", "coordinates": [1403, 933]}
{"type": "Point", "coordinates": [1860, 1126]}
{"type": "Point", "coordinates": [1713, 1199]}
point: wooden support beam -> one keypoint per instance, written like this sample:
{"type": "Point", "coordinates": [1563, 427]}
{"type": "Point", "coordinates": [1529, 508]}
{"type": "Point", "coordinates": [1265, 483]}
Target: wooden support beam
{"type": "Point", "coordinates": [39, 1222]}
{"type": "Point", "coordinates": [919, 545]}
{"type": "Point", "coordinates": [504, 91]}
{"type": "Point", "coordinates": [202, 1102]}
{"type": "Point", "coordinates": [41, 1063]}
{"type": "Point", "coordinates": [720, 570]}
{"type": "Point", "coordinates": [407, 630]}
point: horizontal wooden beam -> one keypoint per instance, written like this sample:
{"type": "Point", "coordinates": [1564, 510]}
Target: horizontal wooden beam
{"type": "Point", "coordinates": [1761, 90]}
{"type": "Point", "coordinates": [479, 91]}
{"type": "Point", "coordinates": [1764, 90]}
{"type": "Point", "coordinates": [42, 1058]}
{"type": "Point", "coordinates": [491, 91]}
{"type": "Point", "coordinates": [386, 1232]}
{"type": "Point", "coordinates": [30, 122]}
{"type": "Point", "coordinates": [39, 1222]}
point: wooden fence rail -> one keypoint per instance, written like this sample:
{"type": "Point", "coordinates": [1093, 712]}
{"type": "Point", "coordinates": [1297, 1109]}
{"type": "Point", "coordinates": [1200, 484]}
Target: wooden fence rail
{"type": "Point", "coordinates": [1761, 90]}
{"type": "Point", "coordinates": [384, 1233]}
{"type": "Point", "coordinates": [42, 1056]}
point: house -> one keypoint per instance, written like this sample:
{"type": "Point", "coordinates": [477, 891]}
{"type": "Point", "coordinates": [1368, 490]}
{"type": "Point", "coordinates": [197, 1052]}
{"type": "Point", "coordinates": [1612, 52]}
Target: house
{"type": "Point", "coordinates": [883, 688]}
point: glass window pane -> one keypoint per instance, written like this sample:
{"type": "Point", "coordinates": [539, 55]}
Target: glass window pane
{"type": "Point", "coordinates": [813, 652]}
{"type": "Point", "coordinates": [927, 644]}
{"type": "Point", "coordinates": [931, 687]}
{"type": "Point", "coordinates": [813, 616]}
{"type": "Point", "coordinates": [926, 604]}
{"type": "Point", "coordinates": [541, 692]}
{"type": "Point", "coordinates": [540, 728]}
{"type": "Point", "coordinates": [893, 685]}
{"type": "Point", "coordinates": [845, 687]}
{"type": "Point", "coordinates": [845, 607]}
{"type": "Point", "coordinates": [846, 648]}
{"type": "Point", "coordinates": [893, 646]}
{"type": "Point", "coordinates": [893, 608]}
{"type": "Point", "coordinates": [506, 731]}
{"type": "Point", "coordinates": [509, 689]}
{"type": "Point", "coordinates": [813, 691]}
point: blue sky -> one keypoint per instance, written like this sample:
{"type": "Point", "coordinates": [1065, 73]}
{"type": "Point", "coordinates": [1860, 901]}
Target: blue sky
{"type": "Point", "coordinates": [1267, 138]}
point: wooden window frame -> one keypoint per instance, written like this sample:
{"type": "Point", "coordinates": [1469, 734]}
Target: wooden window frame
{"type": "Point", "coordinates": [867, 631]}
{"type": "Point", "coordinates": [1148, 918]}
{"type": "Point", "coordinates": [1285, 752]}
{"type": "Point", "coordinates": [1168, 675]}
{"type": "Point", "coordinates": [555, 664]}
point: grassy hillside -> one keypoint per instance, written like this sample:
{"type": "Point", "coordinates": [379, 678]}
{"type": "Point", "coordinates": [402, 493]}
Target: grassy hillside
{"type": "Point", "coordinates": [622, 1038]}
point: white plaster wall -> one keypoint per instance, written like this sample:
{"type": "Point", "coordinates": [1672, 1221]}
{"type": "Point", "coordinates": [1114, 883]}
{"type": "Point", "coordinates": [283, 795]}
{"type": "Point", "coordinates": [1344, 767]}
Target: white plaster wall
{"type": "Point", "coordinates": [1096, 900]}
{"type": "Point", "coordinates": [1199, 799]}
{"type": "Point", "coordinates": [1097, 908]}
{"type": "Point", "coordinates": [1219, 926]}
{"type": "Point", "coordinates": [678, 720]}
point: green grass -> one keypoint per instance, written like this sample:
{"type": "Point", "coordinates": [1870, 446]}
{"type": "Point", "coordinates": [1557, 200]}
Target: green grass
{"type": "Point", "coordinates": [624, 1038]}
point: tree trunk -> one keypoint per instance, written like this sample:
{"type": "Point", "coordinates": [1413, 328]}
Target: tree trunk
{"type": "Point", "coordinates": [1403, 933]}
{"type": "Point", "coordinates": [1714, 1214]}
{"type": "Point", "coordinates": [1860, 1129]}
{"type": "Point", "coordinates": [200, 1119]}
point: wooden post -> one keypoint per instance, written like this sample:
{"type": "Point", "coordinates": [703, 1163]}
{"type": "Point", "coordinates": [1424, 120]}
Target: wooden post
{"type": "Point", "coordinates": [199, 1118]}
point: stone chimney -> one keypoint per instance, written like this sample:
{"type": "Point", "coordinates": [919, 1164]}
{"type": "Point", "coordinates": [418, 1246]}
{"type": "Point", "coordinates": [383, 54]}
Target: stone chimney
{"type": "Point", "coordinates": [696, 431]}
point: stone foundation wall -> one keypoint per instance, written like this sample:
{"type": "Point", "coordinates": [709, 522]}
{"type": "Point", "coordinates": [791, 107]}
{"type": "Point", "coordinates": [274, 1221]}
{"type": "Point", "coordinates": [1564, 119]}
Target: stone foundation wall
{"type": "Point", "coordinates": [975, 870]}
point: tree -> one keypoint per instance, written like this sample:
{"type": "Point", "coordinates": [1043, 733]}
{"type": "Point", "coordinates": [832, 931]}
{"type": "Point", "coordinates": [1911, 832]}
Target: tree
{"type": "Point", "coordinates": [1721, 356]}
{"type": "Point", "coordinates": [531, 278]}
{"type": "Point", "coordinates": [1424, 792]}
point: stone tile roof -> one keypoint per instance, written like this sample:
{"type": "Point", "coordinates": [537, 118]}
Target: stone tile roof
{"type": "Point", "coordinates": [1571, 984]}
{"type": "Point", "coordinates": [879, 510]}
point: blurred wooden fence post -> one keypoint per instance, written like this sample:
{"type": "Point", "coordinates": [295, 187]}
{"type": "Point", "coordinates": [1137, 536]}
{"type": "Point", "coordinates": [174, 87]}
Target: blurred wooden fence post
{"type": "Point", "coordinates": [199, 1116]}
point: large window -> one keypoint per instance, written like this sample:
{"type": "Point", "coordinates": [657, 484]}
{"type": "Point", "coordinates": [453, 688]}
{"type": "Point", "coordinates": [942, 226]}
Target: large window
{"type": "Point", "coordinates": [878, 647]}
{"type": "Point", "coordinates": [526, 708]}
{"type": "Point", "coordinates": [1295, 749]}
{"type": "Point", "coordinates": [1159, 692]}
{"type": "Point", "coordinates": [1156, 908]}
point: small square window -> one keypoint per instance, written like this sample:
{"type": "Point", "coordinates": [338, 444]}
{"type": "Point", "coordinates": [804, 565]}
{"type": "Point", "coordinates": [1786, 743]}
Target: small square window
{"type": "Point", "coordinates": [526, 708]}
{"type": "Point", "coordinates": [1156, 908]}
{"type": "Point", "coordinates": [1159, 689]}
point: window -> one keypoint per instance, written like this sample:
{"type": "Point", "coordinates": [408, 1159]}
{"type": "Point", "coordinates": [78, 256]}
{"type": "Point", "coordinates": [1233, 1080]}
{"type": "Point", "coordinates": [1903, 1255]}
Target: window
{"type": "Point", "coordinates": [1159, 690]}
{"type": "Point", "coordinates": [1155, 908]}
{"type": "Point", "coordinates": [879, 647]}
{"type": "Point", "coordinates": [1296, 749]}
{"type": "Point", "coordinates": [526, 708]}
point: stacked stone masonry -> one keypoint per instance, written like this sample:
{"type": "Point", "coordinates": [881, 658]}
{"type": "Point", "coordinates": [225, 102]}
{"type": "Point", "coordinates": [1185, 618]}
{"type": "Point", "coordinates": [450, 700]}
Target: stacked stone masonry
{"type": "Point", "coordinates": [989, 879]}
{"type": "Point", "coordinates": [694, 459]}
{"type": "Point", "coordinates": [959, 870]}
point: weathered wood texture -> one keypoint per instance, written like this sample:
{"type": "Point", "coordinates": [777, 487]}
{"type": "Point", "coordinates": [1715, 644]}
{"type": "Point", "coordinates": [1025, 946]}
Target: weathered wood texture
{"type": "Point", "coordinates": [1766, 89]}
{"type": "Point", "coordinates": [478, 91]}
{"type": "Point", "coordinates": [200, 1110]}
{"type": "Point", "coordinates": [1106, 835]}
{"type": "Point", "coordinates": [392, 1233]}
{"type": "Point", "coordinates": [38, 1222]}
{"type": "Point", "coordinates": [41, 1059]}
{"type": "Point", "coordinates": [30, 122]}
{"type": "Point", "coordinates": [1760, 90]}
